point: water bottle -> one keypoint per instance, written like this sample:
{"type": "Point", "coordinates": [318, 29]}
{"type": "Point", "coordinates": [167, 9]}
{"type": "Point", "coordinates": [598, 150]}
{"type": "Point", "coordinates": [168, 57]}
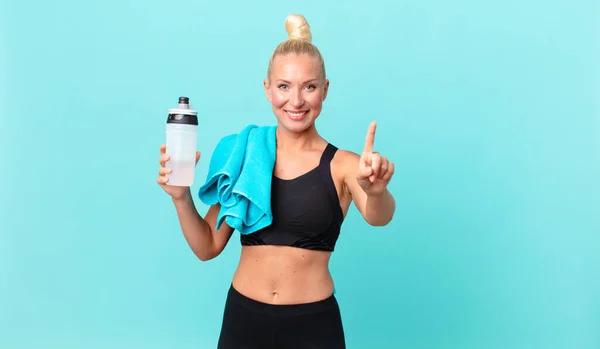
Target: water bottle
{"type": "Point", "coordinates": [182, 125]}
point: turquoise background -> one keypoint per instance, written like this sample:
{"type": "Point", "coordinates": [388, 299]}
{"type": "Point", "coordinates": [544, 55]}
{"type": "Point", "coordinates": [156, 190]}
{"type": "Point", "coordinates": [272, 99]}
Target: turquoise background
{"type": "Point", "coordinates": [490, 110]}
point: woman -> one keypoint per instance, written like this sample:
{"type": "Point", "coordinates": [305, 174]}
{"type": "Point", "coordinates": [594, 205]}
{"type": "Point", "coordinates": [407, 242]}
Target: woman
{"type": "Point", "coordinates": [282, 295]}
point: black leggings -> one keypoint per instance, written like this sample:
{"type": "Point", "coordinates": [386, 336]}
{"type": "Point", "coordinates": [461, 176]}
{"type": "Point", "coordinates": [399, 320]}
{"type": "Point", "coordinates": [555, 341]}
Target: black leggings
{"type": "Point", "coordinates": [249, 324]}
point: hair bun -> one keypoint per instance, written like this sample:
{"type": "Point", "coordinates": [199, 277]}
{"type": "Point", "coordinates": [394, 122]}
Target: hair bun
{"type": "Point", "coordinates": [298, 28]}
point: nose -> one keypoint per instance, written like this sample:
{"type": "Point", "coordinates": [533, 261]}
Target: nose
{"type": "Point", "coordinates": [296, 99]}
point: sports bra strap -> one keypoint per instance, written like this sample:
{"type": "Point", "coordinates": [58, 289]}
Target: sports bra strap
{"type": "Point", "coordinates": [326, 177]}
{"type": "Point", "coordinates": [327, 155]}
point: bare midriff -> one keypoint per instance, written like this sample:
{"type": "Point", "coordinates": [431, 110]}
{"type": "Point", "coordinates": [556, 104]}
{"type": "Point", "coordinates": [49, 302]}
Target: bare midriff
{"type": "Point", "coordinates": [283, 275]}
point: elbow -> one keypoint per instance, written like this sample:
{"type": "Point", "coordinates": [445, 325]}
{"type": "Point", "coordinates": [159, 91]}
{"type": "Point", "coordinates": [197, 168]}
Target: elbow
{"type": "Point", "coordinates": [207, 250]}
{"type": "Point", "coordinates": [206, 256]}
{"type": "Point", "coordinates": [380, 220]}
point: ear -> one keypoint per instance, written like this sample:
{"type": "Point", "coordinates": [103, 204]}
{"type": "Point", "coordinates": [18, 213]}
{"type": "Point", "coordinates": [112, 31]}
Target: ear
{"type": "Point", "coordinates": [325, 89]}
{"type": "Point", "coordinates": [267, 90]}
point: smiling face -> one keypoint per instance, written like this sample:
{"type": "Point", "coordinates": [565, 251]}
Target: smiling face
{"type": "Point", "coordinates": [296, 89]}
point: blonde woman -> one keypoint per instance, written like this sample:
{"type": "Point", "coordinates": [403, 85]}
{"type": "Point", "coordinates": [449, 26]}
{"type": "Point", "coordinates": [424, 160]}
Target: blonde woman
{"type": "Point", "coordinates": [282, 294]}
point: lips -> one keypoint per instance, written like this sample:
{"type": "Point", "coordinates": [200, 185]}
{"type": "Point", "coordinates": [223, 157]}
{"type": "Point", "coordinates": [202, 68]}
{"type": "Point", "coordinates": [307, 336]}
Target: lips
{"type": "Point", "coordinates": [296, 115]}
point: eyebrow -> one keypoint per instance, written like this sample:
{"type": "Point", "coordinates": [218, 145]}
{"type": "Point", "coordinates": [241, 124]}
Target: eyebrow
{"type": "Point", "coordinates": [306, 82]}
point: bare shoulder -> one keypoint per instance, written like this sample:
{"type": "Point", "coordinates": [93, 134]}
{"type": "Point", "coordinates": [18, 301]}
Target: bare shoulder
{"type": "Point", "coordinates": [346, 160]}
{"type": "Point", "coordinates": [344, 167]}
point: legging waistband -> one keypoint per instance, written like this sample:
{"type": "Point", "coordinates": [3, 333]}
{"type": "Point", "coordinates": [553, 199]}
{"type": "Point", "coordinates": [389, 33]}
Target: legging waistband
{"type": "Point", "coordinates": [282, 309]}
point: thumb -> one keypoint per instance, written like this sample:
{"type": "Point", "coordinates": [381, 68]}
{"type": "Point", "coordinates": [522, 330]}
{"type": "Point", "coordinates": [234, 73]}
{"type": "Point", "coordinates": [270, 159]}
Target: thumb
{"type": "Point", "coordinates": [364, 172]}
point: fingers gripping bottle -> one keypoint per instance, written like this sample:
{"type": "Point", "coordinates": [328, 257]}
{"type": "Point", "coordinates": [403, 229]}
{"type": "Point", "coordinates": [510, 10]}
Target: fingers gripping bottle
{"type": "Point", "coordinates": [182, 125]}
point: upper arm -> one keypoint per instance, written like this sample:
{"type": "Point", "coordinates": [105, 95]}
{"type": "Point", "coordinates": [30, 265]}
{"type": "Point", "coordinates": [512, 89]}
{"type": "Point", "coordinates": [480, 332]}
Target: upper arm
{"type": "Point", "coordinates": [350, 163]}
{"type": "Point", "coordinates": [222, 235]}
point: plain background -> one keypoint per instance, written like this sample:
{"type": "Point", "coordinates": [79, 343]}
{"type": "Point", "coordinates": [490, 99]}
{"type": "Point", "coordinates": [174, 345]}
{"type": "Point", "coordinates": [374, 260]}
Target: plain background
{"type": "Point", "coordinates": [490, 111]}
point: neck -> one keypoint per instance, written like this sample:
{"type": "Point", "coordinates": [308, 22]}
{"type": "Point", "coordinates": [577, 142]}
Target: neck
{"type": "Point", "coordinates": [289, 140]}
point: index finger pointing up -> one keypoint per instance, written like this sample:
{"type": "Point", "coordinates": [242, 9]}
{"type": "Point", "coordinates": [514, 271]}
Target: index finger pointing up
{"type": "Point", "coordinates": [370, 138]}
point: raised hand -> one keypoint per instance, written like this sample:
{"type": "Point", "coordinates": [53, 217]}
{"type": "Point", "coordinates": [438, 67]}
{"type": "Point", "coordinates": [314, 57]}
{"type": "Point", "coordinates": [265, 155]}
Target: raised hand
{"type": "Point", "coordinates": [175, 191]}
{"type": "Point", "coordinates": [375, 171]}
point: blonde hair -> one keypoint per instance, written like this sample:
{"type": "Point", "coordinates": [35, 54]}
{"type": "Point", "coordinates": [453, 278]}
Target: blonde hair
{"type": "Point", "coordinates": [299, 41]}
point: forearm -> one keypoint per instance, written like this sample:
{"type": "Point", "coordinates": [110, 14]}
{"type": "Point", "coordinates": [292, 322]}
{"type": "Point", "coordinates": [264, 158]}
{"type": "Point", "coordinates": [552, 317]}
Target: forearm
{"type": "Point", "coordinates": [380, 208]}
{"type": "Point", "coordinates": [196, 230]}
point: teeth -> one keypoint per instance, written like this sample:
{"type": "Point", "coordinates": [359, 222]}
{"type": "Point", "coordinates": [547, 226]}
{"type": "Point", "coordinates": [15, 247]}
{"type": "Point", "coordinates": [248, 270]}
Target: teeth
{"type": "Point", "coordinates": [296, 114]}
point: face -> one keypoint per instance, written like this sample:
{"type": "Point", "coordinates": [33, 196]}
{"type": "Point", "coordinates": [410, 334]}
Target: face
{"type": "Point", "coordinates": [296, 90]}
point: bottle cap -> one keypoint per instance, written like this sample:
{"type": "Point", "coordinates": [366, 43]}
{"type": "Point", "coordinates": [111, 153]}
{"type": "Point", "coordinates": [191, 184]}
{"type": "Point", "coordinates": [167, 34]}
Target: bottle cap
{"type": "Point", "coordinates": [183, 114]}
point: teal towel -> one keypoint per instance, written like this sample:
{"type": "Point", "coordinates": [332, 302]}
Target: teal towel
{"type": "Point", "coordinates": [239, 178]}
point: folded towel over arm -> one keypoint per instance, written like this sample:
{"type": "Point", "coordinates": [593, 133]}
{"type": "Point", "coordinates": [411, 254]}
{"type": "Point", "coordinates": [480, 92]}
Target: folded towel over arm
{"type": "Point", "coordinates": [239, 178]}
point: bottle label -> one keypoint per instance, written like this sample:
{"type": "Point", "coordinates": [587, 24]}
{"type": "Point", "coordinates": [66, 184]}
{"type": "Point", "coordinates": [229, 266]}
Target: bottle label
{"type": "Point", "coordinates": [185, 119]}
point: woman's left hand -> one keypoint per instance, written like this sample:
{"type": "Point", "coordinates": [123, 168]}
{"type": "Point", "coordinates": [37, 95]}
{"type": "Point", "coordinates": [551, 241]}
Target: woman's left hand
{"type": "Point", "coordinates": [375, 171]}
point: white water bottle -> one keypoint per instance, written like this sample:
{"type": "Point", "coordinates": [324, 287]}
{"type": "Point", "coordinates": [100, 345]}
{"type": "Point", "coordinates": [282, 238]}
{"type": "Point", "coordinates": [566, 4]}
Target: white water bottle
{"type": "Point", "coordinates": [182, 125]}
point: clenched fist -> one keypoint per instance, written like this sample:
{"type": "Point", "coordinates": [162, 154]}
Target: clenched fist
{"type": "Point", "coordinates": [176, 192]}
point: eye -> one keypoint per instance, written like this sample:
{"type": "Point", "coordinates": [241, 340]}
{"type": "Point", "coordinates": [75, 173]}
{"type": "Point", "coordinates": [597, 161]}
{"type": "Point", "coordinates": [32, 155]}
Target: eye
{"type": "Point", "coordinates": [311, 87]}
{"type": "Point", "coordinates": [282, 86]}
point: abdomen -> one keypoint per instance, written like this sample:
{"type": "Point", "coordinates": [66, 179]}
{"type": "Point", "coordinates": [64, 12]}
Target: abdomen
{"type": "Point", "coordinates": [283, 275]}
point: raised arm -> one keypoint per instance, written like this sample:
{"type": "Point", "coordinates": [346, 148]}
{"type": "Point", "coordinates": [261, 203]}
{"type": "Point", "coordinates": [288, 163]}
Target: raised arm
{"type": "Point", "coordinates": [367, 179]}
{"type": "Point", "coordinates": [200, 233]}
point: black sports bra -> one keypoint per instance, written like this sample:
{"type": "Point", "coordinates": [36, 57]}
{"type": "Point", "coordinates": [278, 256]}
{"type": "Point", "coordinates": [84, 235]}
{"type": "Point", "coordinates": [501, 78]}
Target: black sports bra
{"type": "Point", "coordinates": [306, 210]}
